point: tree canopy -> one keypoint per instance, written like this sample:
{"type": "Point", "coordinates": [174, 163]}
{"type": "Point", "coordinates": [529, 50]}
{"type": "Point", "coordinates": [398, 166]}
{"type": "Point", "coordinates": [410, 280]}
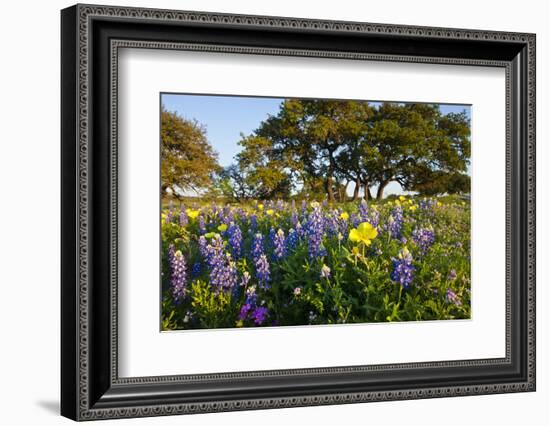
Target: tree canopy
{"type": "Point", "coordinates": [188, 161]}
{"type": "Point", "coordinates": [324, 145]}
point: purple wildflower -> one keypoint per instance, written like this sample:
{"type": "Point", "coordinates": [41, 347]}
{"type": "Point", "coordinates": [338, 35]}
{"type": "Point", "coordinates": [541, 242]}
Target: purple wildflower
{"type": "Point", "coordinates": [259, 315]}
{"type": "Point", "coordinates": [452, 297]}
{"type": "Point", "coordinates": [300, 231]}
{"type": "Point", "coordinates": [257, 247]}
{"type": "Point", "coordinates": [235, 240]}
{"type": "Point", "coordinates": [424, 238]}
{"type": "Point", "coordinates": [452, 275]}
{"type": "Point", "coordinates": [271, 240]}
{"type": "Point", "coordinates": [395, 223]}
{"type": "Point", "coordinates": [253, 222]}
{"type": "Point", "coordinates": [333, 223]}
{"type": "Point", "coordinates": [203, 247]}
{"type": "Point", "coordinates": [262, 271]}
{"type": "Point", "coordinates": [196, 270]}
{"type": "Point", "coordinates": [427, 204]}
{"type": "Point", "coordinates": [374, 218]}
{"type": "Point", "coordinates": [291, 240]}
{"type": "Point", "coordinates": [245, 309]}
{"type": "Point", "coordinates": [226, 215]}
{"type": "Point", "coordinates": [363, 211]}
{"type": "Point", "coordinates": [279, 249]}
{"type": "Point", "coordinates": [315, 233]}
{"type": "Point", "coordinates": [304, 209]}
{"type": "Point", "coordinates": [251, 295]}
{"type": "Point", "coordinates": [343, 227]}
{"type": "Point", "coordinates": [245, 279]}
{"type": "Point", "coordinates": [184, 220]}
{"type": "Point", "coordinates": [170, 215]}
{"type": "Point", "coordinates": [293, 214]}
{"type": "Point", "coordinates": [249, 303]}
{"type": "Point", "coordinates": [202, 225]}
{"type": "Point", "coordinates": [403, 269]}
{"type": "Point", "coordinates": [355, 220]}
{"type": "Point", "coordinates": [178, 274]}
{"type": "Point", "coordinates": [223, 272]}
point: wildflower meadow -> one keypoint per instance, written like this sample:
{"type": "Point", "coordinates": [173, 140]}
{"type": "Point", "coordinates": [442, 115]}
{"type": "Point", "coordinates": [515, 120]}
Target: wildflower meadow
{"type": "Point", "coordinates": [283, 263]}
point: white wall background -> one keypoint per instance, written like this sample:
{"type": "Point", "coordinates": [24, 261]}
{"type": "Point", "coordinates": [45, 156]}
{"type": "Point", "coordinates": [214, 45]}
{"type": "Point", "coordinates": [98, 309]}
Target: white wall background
{"type": "Point", "coordinates": [29, 211]}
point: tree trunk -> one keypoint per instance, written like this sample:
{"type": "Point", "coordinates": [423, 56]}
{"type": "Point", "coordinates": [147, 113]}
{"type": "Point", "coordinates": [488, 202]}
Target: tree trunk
{"type": "Point", "coordinates": [381, 187]}
{"type": "Point", "coordinates": [344, 192]}
{"type": "Point", "coordinates": [367, 195]}
{"type": "Point", "coordinates": [330, 179]}
{"type": "Point", "coordinates": [330, 191]}
{"type": "Point", "coordinates": [356, 189]}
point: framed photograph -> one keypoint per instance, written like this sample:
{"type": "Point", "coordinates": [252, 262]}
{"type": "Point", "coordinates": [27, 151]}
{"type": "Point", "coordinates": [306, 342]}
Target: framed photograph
{"type": "Point", "coordinates": [263, 212]}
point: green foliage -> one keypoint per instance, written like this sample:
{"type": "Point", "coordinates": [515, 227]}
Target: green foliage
{"type": "Point", "coordinates": [187, 158]}
{"type": "Point", "coordinates": [211, 309]}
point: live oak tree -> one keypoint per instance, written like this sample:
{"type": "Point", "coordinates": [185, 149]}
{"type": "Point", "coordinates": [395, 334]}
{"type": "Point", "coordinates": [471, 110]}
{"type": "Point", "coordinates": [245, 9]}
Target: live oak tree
{"type": "Point", "coordinates": [256, 173]}
{"type": "Point", "coordinates": [340, 142]}
{"type": "Point", "coordinates": [418, 147]}
{"type": "Point", "coordinates": [309, 136]}
{"type": "Point", "coordinates": [188, 161]}
{"type": "Point", "coordinates": [264, 170]}
{"type": "Point", "coordinates": [232, 184]}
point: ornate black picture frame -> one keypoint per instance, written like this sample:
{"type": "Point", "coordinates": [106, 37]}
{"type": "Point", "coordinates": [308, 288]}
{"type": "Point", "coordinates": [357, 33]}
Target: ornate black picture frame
{"type": "Point", "coordinates": [91, 388]}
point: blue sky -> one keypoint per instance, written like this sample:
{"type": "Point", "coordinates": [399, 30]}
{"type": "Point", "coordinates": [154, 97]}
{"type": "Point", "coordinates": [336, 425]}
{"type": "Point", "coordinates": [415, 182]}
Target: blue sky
{"type": "Point", "coordinates": [226, 117]}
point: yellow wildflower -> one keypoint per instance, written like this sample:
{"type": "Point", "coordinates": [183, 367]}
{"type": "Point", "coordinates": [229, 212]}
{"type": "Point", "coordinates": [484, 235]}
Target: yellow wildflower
{"type": "Point", "coordinates": [260, 206]}
{"type": "Point", "coordinates": [270, 212]}
{"type": "Point", "coordinates": [344, 216]}
{"type": "Point", "coordinates": [413, 208]}
{"type": "Point", "coordinates": [401, 198]}
{"type": "Point", "coordinates": [222, 227]}
{"type": "Point", "coordinates": [364, 233]}
{"type": "Point", "coordinates": [192, 213]}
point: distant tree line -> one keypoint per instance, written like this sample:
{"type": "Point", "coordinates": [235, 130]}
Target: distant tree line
{"type": "Point", "coordinates": [322, 147]}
